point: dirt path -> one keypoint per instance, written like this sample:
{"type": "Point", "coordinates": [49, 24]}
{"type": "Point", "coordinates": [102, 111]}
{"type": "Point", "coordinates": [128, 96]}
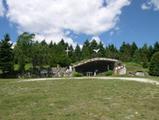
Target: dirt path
{"type": "Point", "coordinates": [143, 80]}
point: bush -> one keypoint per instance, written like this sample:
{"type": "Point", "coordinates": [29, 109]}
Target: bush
{"type": "Point", "coordinates": [28, 67]}
{"type": "Point", "coordinates": [145, 65]}
{"type": "Point", "coordinates": [8, 75]}
{"type": "Point", "coordinates": [109, 73]}
{"type": "Point", "coordinates": [76, 74]}
{"type": "Point", "coordinates": [154, 65]}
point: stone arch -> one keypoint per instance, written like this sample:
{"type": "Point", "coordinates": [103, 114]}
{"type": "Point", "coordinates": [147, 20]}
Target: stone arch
{"type": "Point", "coordinates": [96, 65]}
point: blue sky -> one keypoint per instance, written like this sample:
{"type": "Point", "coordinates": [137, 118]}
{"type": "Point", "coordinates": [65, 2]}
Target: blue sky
{"type": "Point", "coordinates": [138, 22]}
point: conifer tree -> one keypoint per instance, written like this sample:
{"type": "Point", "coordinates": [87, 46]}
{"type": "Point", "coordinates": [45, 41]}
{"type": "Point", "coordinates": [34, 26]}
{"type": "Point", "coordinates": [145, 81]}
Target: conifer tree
{"type": "Point", "coordinates": [77, 53]}
{"type": "Point", "coordinates": [86, 54]}
{"type": "Point", "coordinates": [6, 55]}
{"type": "Point", "coordinates": [154, 65]}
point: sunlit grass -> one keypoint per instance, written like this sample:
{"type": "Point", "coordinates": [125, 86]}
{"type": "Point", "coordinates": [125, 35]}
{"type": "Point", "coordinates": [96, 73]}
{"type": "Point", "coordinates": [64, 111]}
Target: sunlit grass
{"type": "Point", "coordinates": [78, 100]}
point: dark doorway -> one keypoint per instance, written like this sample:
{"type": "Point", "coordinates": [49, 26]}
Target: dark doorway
{"type": "Point", "coordinates": [95, 67]}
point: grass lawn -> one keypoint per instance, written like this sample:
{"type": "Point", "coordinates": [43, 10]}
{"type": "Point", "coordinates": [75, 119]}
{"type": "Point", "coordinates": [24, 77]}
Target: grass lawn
{"type": "Point", "coordinates": [134, 67]}
{"type": "Point", "coordinates": [78, 100]}
{"type": "Point", "coordinates": [153, 78]}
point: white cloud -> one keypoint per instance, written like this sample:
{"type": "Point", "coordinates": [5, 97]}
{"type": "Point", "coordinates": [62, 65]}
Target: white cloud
{"type": "Point", "coordinates": [115, 30]}
{"type": "Point", "coordinates": [145, 7]}
{"type": "Point", "coordinates": [1, 8]}
{"type": "Point", "coordinates": [55, 37]}
{"type": "Point", "coordinates": [50, 18]}
{"type": "Point", "coordinates": [151, 4]}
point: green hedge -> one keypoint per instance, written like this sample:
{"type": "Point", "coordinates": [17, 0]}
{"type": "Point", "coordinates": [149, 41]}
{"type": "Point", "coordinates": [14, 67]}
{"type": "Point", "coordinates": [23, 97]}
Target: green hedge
{"type": "Point", "coordinates": [109, 73]}
{"type": "Point", "coordinates": [76, 74]}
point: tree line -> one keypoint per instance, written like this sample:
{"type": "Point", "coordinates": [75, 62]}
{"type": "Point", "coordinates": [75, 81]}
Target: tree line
{"type": "Point", "coordinates": [28, 54]}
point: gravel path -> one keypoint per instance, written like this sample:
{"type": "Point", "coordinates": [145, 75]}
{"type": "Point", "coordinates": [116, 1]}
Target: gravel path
{"type": "Point", "coordinates": [143, 80]}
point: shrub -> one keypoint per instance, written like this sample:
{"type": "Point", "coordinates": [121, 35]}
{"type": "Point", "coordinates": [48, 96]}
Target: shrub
{"type": "Point", "coordinates": [154, 65]}
{"type": "Point", "coordinates": [109, 73]}
{"type": "Point", "coordinates": [145, 64]}
{"type": "Point", "coordinates": [76, 74]}
{"type": "Point", "coordinates": [28, 67]}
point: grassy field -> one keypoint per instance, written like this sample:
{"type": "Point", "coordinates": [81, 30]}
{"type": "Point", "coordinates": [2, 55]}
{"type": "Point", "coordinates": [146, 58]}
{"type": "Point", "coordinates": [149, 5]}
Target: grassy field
{"type": "Point", "coordinates": [134, 67]}
{"type": "Point", "coordinates": [78, 100]}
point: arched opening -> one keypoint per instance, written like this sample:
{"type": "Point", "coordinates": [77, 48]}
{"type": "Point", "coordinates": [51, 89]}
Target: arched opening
{"type": "Point", "coordinates": [95, 66]}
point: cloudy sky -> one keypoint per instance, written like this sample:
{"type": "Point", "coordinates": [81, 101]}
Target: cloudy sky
{"type": "Point", "coordinates": [111, 21]}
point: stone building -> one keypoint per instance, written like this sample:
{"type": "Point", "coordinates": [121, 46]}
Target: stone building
{"type": "Point", "coordinates": [94, 66]}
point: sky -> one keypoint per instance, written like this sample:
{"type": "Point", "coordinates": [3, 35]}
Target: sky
{"type": "Point", "coordinates": [109, 21]}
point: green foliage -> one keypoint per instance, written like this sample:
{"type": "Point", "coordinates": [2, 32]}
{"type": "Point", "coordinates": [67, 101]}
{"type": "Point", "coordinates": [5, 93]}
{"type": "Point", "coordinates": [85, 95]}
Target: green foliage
{"type": "Point", "coordinates": [109, 73]}
{"type": "Point", "coordinates": [28, 67]}
{"type": "Point", "coordinates": [111, 52]}
{"type": "Point", "coordinates": [77, 53]}
{"type": "Point", "coordinates": [23, 50]}
{"type": "Point", "coordinates": [101, 50]}
{"type": "Point", "coordinates": [125, 52]}
{"type": "Point", "coordinates": [16, 67]}
{"type": "Point", "coordinates": [133, 48]}
{"type": "Point", "coordinates": [143, 55]}
{"type": "Point", "coordinates": [154, 65]}
{"type": "Point", "coordinates": [6, 55]}
{"type": "Point", "coordinates": [86, 54]}
{"type": "Point", "coordinates": [93, 46]}
{"type": "Point", "coordinates": [156, 47]}
{"type": "Point", "coordinates": [76, 74]}
{"type": "Point", "coordinates": [134, 67]}
{"type": "Point", "coordinates": [145, 64]}
{"type": "Point", "coordinates": [40, 54]}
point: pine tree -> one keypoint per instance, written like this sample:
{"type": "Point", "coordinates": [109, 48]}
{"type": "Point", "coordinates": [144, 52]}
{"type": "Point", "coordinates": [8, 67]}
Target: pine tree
{"type": "Point", "coordinates": [6, 55]}
{"type": "Point", "coordinates": [77, 53]}
{"type": "Point", "coordinates": [154, 65]}
{"type": "Point", "coordinates": [93, 46]}
{"type": "Point", "coordinates": [125, 52]}
{"type": "Point", "coordinates": [86, 52]}
{"type": "Point", "coordinates": [156, 47]}
{"type": "Point", "coordinates": [111, 52]}
{"type": "Point", "coordinates": [133, 48]}
{"type": "Point", "coordinates": [101, 50]}
{"type": "Point", "coordinates": [145, 54]}
{"type": "Point", "coordinates": [150, 52]}
{"type": "Point", "coordinates": [142, 55]}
